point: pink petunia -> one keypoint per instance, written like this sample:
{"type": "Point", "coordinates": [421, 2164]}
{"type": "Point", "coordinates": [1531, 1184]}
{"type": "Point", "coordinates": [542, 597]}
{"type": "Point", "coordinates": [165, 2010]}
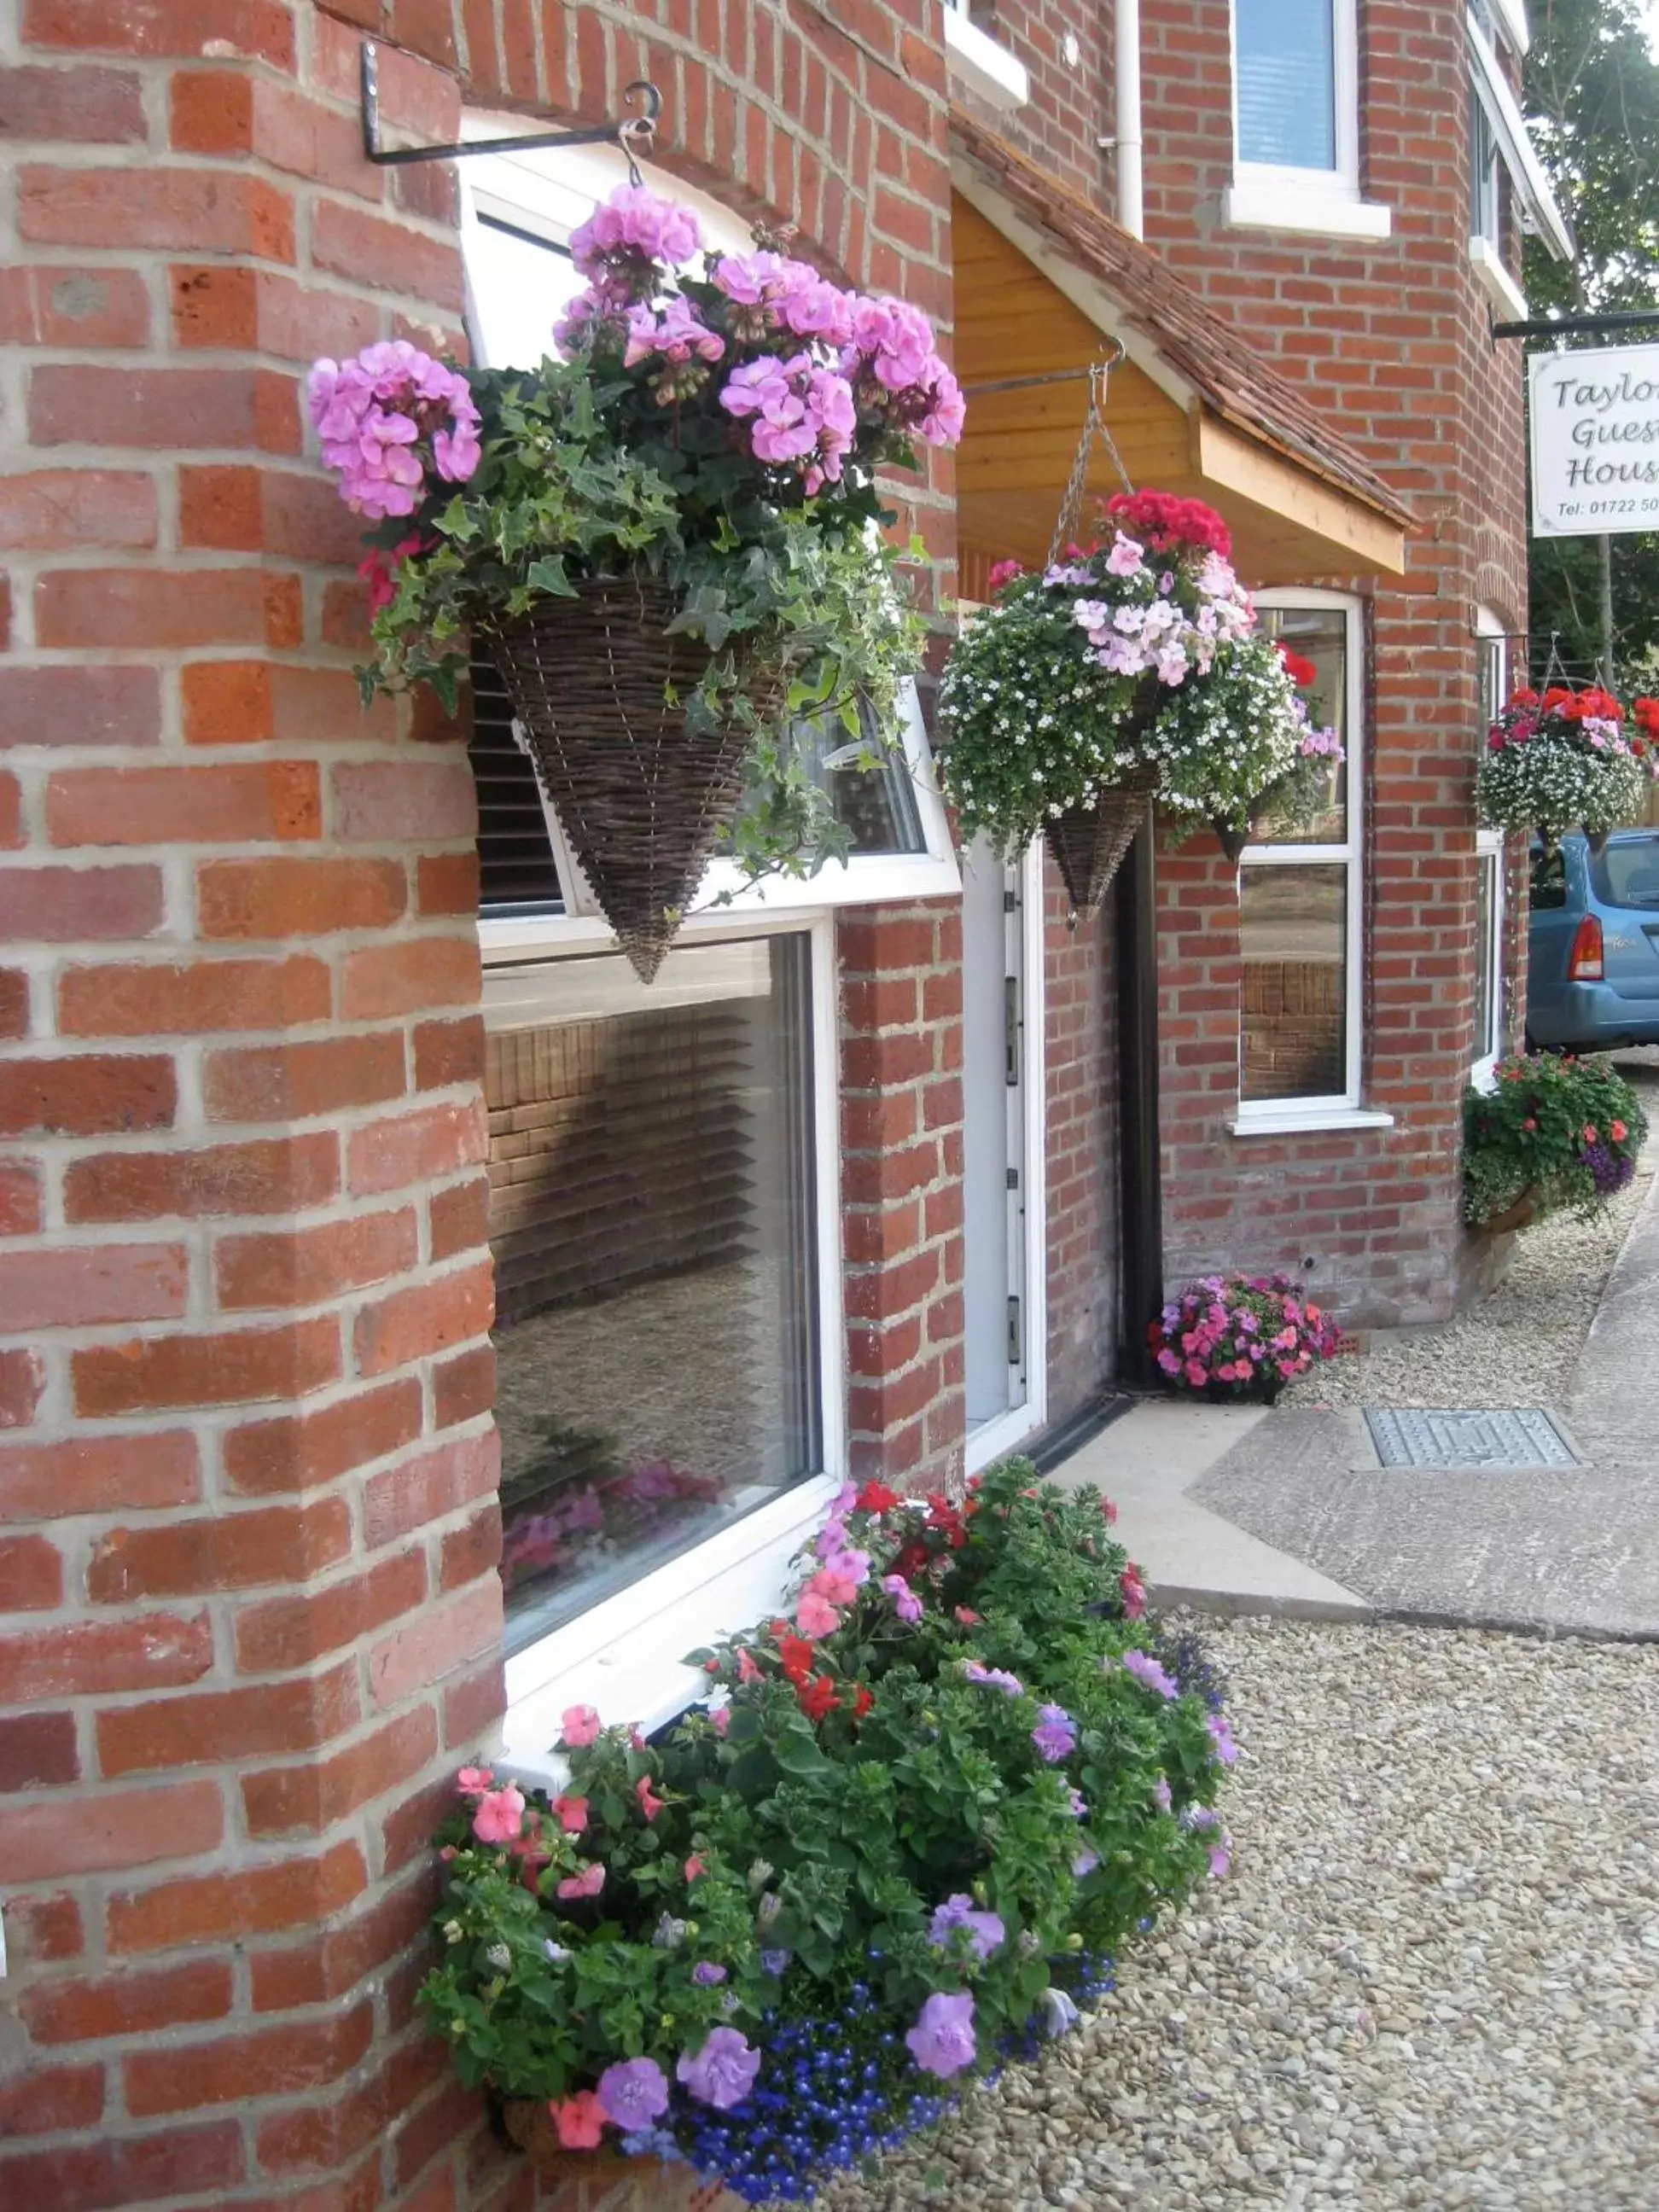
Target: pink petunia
{"type": "Point", "coordinates": [589, 1883]}
{"type": "Point", "coordinates": [499, 1816]}
{"type": "Point", "coordinates": [571, 1814]}
{"type": "Point", "coordinates": [815, 1616]}
{"type": "Point", "coordinates": [650, 1804]}
{"type": "Point", "coordinates": [578, 1726]}
{"type": "Point", "coordinates": [473, 1781]}
{"type": "Point", "coordinates": [579, 2120]}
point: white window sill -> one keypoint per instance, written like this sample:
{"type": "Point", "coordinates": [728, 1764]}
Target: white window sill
{"type": "Point", "coordinates": [1495, 279]}
{"type": "Point", "coordinates": [986, 68]}
{"type": "Point", "coordinates": [1292, 1121]}
{"type": "Point", "coordinates": [1290, 205]}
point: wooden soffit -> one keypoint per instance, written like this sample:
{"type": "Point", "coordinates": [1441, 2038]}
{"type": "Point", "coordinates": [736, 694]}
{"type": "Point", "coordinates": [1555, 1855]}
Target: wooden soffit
{"type": "Point", "coordinates": [1299, 504]}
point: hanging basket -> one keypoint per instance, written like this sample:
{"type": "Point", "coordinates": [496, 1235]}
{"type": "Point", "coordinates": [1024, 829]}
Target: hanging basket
{"type": "Point", "coordinates": [1597, 841]}
{"type": "Point", "coordinates": [596, 683]}
{"type": "Point", "coordinates": [1088, 843]}
{"type": "Point", "coordinates": [1232, 842]}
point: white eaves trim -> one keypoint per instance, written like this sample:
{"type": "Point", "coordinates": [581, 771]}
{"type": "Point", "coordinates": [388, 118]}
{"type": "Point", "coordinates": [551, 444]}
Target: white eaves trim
{"type": "Point", "coordinates": [1515, 145]}
{"type": "Point", "coordinates": [1495, 279]}
{"type": "Point", "coordinates": [1285, 205]}
{"type": "Point", "coordinates": [976, 59]}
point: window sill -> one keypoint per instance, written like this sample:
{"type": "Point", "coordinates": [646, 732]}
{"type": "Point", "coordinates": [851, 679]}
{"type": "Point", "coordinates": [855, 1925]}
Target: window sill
{"type": "Point", "coordinates": [1495, 279]}
{"type": "Point", "coordinates": [984, 67]}
{"type": "Point", "coordinates": [1288, 1121]}
{"type": "Point", "coordinates": [1292, 206]}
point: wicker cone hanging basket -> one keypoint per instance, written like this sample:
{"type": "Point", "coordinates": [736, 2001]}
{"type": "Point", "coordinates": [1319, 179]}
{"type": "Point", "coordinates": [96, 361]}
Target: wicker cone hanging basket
{"type": "Point", "coordinates": [597, 684]}
{"type": "Point", "coordinates": [1088, 843]}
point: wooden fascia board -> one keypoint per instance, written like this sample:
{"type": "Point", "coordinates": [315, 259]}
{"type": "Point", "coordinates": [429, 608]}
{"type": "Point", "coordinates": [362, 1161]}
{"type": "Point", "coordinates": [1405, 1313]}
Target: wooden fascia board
{"type": "Point", "coordinates": [1242, 464]}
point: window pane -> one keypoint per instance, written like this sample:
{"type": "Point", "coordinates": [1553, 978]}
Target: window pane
{"type": "Point", "coordinates": [1549, 879]}
{"type": "Point", "coordinates": [1485, 922]}
{"type": "Point", "coordinates": [1494, 653]}
{"type": "Point", "coordinates": [1286, 83]}
{"type": "Point", "coordinates": [652, 1217]}
{"type": "Point", "coordinates": [1319, 635]}
{"type": "Point", "coordinates": [516, 870]}
{"type": "Point", "coordinates": [1293, 938]}
{"type": "Point", "coordinates": [1483, 173]}
{"type": "Point", "coordinates": [868, 783]}
{"type": "Point", "coordinates": [518, 283]}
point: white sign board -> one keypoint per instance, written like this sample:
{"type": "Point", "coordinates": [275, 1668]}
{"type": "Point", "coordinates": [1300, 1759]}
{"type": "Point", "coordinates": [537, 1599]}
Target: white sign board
{"type": "Point", "coordinates": [1595, 441]}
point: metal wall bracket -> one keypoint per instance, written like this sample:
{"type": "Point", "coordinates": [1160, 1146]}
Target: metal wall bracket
{"type": "Point", "coordinates": [634, 134]}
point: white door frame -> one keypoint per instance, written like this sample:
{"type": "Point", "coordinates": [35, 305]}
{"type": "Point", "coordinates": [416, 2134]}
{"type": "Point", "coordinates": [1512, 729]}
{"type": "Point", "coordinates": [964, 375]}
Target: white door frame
{"type": "Point", "coordinates": [1028, 1154]}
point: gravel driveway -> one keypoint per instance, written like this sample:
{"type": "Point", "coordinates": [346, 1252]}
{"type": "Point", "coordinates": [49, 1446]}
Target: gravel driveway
{"type": "Point", "coordinates": [1433, 1979]}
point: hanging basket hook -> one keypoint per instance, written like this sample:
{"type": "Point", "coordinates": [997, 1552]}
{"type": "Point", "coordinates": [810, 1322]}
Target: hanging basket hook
{"type": "Point", "coordinates": [1094, 430]}
{"type": "Point", "coordinates": [637, 134]}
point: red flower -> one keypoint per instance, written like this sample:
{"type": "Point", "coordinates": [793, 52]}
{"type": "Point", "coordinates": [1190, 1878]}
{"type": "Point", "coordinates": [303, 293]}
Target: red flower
{"type": "Point", "coordinates": [795, 1654]}
{"type": "Point", "coordinates": [863, 1698]}
{"type": "Point", "coordinates": [818, 1699]}
{"type": "Point", "coordinates": [1166, 525]}
{"type": "Point", "coordinates": [1523, 697]}
{"type": "Point", "coordinates": [911, 1559]}
{"type": "Point", "coordinates": [877, 1498]}
{"type": "Point", "coordinates": [1298, 667]}
{"type": "Point", "coordinates": [1003, 572]}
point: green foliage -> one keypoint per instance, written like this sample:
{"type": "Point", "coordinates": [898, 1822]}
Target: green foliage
{"type": "Point", "coordinates": [855, 1782]}
{"type": "Point", "coordinates": [1592, 102]}
{"type": "Point", "coordinates": [1569, 1129]}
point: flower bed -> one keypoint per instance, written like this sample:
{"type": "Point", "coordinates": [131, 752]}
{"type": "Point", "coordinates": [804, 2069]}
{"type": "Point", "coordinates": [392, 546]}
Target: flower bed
{"type": "Point", "coordinates": [1562, 762]}
{"type": "Point", "coordinates": [1553, 1132]}
{"type": "Point", "coordinates": [1241, 1336]}
{"type": "Point", "coordinates": [903, 1841]}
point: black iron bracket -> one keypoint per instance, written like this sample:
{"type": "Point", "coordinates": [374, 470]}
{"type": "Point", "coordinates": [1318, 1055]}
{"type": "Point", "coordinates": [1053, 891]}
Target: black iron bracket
{"type": "Point", "coordinates": [636, 134]}
{"type": "Point", "coordinates": [1572, 326]}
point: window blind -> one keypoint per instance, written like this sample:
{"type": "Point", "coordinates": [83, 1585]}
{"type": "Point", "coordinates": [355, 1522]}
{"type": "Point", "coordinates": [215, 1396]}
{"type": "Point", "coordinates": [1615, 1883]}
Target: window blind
{"type": "Point", "coordinates": [1286, 83]}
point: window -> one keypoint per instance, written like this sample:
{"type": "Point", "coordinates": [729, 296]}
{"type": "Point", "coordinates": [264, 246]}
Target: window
{"type": "Point", "coordinates": [1485, 179]}
{"type": "Point", "coordinates": [1491, 647]}
{"type": "Point", "coordinates": [1301, 908]}
{"type": "Point", "coordinates": [1489, 1023]}
{"type": "Point", "coordinates": [1296, 120]}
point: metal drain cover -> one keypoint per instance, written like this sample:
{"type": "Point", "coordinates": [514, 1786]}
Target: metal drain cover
{"type": "Point", "coordinates": [1522, 1435]}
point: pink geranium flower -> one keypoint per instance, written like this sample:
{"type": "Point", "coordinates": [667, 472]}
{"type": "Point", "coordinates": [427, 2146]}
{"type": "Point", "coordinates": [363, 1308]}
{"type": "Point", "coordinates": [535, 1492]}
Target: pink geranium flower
{"type": "Point", "coordinates": [578, 1726]}
{"type": "Point", "coordinates": [473, 1781]}
{"type": "Point", "coordinates": [815, 1616]}
{"type": "Point", "coordinates": [571, 1814]}
{"type": "Point", "coordinates": [499, 1816]}
{"type": "Point", "coordinates": [589, 1883]}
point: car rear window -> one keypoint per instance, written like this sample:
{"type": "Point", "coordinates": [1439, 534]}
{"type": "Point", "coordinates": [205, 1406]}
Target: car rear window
{"type": "Point", "coordinates": [1627, 873]}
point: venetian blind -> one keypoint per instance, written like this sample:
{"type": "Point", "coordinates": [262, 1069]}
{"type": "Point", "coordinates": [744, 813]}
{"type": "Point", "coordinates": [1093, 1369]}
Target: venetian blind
{"type": "Point", "coordinates": [1286, 83]}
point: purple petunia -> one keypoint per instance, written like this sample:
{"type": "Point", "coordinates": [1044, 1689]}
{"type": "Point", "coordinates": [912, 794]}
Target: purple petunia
{"type": "Point", "coordinates": [1225, 1749]}
{"type": "Point", "coordinates": [985, 1930]}
{"type": "Point", "coordinates": [634, 2093]}
{"type": "Point", "coordinates": [1146, 1669]}
{"type": "Point", "coordinates": [775, 1962]}
{"type": "Point", "coordinates": [723, 2072]}
{"type": "Point", "coordinates": [942, 2041]}
{"type": "Point", "coordinates": [995, 1678]}
{"type": "Point", "coordinates": [906, 1603]}
{"type": "Point", "coordinates": [707, 1974]}
{"type": "Point", "coordinates": [1084, 1863]}
{"type": "Point", "coordinates": [1055, 1734]}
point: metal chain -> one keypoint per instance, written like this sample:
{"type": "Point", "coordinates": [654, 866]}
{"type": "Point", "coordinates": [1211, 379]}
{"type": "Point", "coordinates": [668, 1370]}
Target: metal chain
{"type": "Point", "coordinates": [1094, 427]}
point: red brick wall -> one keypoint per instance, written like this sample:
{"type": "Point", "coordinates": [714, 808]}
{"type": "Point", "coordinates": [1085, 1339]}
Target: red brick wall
{"type": "Point", "coordinates": [251, 1616]}
{"type": "Point", "coordinates": [1080, 1042]}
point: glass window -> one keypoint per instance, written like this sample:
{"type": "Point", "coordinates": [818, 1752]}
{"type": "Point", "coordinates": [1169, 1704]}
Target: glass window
{"type": "Point", "coordinates": [518, 283]}
{"type": "Point", "coordinates": [1548, 887]}
{"type": "Point", "coordinates": [1300, 904]}
{"type": "Point", "coordinates": [652, 1217]}
{"type": "Point", "coordinates": [1627, 873]}
{"type": "Point", "coordinates": [517, 873]}
{"type": "Point", "coordinates": [1293, 942]}
{"type": "Point", "coordinates": [1485, 209]}
{"type": "Point", "coordinates": [1489, 1039]}
{"type": "Point", "coordinates": [1287, 61]}
{"type": "Point", "coordinates": [1492, 670]}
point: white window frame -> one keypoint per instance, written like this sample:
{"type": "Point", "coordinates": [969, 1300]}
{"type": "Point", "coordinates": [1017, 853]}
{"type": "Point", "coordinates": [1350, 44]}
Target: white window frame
{"type": "Point", "coordinates": [1271, 195]}
{"type": "Point", "coordinates": [1340, 1110]}
{"type": "Point", "coordinates": [981, 62]}
{"type": "Point", "coordinates": [1489, 850]}
{"type": "Point", "coordinates": [624, 1654]}
{"type": "Point", "coordinates": [1487, 225]}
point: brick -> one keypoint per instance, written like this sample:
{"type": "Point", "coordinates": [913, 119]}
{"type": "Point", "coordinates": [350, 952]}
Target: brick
{"type": "Point", "coordinates": [80, 1288]}
{"type": "Point", "coordinates": [22, 1382]}
{"type": "Point", "coordinates": [97, 1475]}
{"type": "Point", "coordinates": [20, 1198]}
{"type": "Point", "coordinates": [385, 257]}
{"type": "Point", "coordinates": [83, 1658]}
{"type": "Point", "coordinates": [291, 1082]}
{"type": "Point", "coordinates": [80, 707]}
{"type": "Point", "coordinates": [430, 1317]}
{"type": "Point", "coordinates": [13, 1003]}
{"type": "Point", "coordinates": [154, 1000]}
{"type": "Point", "coordinates": [156, 209]}
{"type": "Point", "coordinates": [260, 30]}
{"type": "Point", "coordinates": [40, 1930]}
{"type": "Point", "coordinates": [280, 2062]}
{"type": "Point", "coordinates": [414, 1148]}
{"type": "Point", "coordinates": [329, 1965]}
{"type": "Point", "coordinates": [277, 1175]}
{"type": "Point", "coordinates": [49, 510]}
{"type": "Point", "coordinates": [163, 1734]}
{"type": "Point", "coordinates": [240, 509]}
{"type": "Point", "coordinates": [120, 2172]}
{"type": "Point", "coordinates": [63, 2011]}
{"type": "Point", "coordinates": [471, 1551]}
{"type": "Point", "coordinates": [112, 1829]}
{"type": "Point", "coordinates": [239, 1368]}
{"type": "Point", "coordinates": [297, 898]}
{"type": "Point", "coordinates": [303, 1266]}
{"type": "Point", "coordinates": [88, 106]}
{"type": "Point", "coordinates": [30, 1574]}
{"type": "Point", "coordinates": [214, 113]}
{"type": "Point", "coordinates": [266, 311]}
{"type": "Point", "coordinates": [152, 610]}
{"type": "Point", "coordinates": [426, 1488]}
{"type": "Point", "coordinates": [37, 1750]}
{"type": "Point", "coordinates": [164, 410]}
{"type": "Point", "coordinates": [449, 1052]}
{"type": "Point", "coordinates": [447, 883]}
{"type": "Point", "coordinates": [458, 1218]}
{"type": "Point", "coordinates": [87, 1096]}
{"type": "Point", "coordinates": [277, 799]}
{"type": "Point", "coordinates": [404, 803]}
{"type": "Point", "coordinates": [55, 906]}
{"type": "Point", "coordinates": [11, 811]}
{"type": "Point", "coordinates": [47, 2099]}
{"type": "Point", "coordinates": [463, 1388]}
{"type": "Point", "coordinates": [473, 1702]}
{"type": "Point", "coordinates": [60, 306]}
{"type": "Point", "coordinates": [232, 1550]}
{"type": "Point", "coordinates": [293, 1631]}
{"type": "Point", "coordinates": [301, 1450]}
{"type": "Point", "coordinates": [255, 1900]}
{"type": "Point", "coordinates": [302, 1800]}
{"type": "Point", "coordinates": [439, 1639]}
{"type": "Point", "coordinates": [405, 978]}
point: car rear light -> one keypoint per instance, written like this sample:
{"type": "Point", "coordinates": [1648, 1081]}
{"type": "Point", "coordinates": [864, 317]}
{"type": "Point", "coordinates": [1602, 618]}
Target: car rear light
{"type": "Point", "coordinates": [1584, 961]}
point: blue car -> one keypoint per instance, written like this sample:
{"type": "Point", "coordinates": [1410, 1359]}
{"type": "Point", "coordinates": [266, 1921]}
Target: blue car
{"type": "Point", "coordinates": [1593, 977]}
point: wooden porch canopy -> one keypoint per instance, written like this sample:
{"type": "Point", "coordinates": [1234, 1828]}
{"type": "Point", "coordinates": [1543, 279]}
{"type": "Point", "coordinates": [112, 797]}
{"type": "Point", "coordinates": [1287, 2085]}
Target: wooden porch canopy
{"type": "Point", "coordinates": [1044, 284]}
